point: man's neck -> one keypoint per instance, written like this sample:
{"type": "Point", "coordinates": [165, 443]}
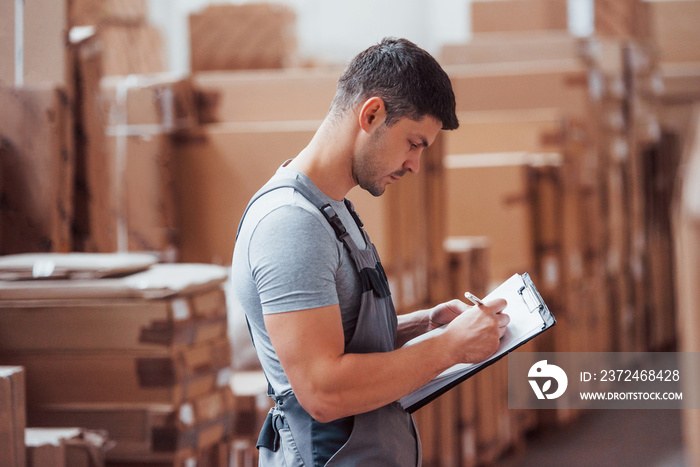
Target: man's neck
{"type": "Point", "coordinates": [327, 160]}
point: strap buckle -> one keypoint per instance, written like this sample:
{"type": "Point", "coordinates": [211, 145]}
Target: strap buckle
{"type": "Point", "coordinates": [333, 219]}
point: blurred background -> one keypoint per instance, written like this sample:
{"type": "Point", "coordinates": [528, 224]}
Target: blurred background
{"type": "Point", "coordinates": [134, 132]}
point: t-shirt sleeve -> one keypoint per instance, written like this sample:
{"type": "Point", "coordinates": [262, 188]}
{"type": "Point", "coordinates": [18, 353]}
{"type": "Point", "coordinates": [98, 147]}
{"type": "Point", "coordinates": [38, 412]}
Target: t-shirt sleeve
{"type": "Point", "coordinates": [293, 259]}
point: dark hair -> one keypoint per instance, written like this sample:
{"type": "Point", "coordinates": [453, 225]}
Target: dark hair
{"type": "Point", "coordinates": [407, 78]}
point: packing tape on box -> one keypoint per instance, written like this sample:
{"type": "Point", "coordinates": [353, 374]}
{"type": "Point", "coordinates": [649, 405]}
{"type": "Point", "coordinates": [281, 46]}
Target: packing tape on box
{"type": "Point", "coordinates": [121, 140]}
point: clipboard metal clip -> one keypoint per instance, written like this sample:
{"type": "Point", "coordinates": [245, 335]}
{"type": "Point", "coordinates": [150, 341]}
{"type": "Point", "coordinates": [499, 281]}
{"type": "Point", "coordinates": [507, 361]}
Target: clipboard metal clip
{"type": "Point", "coordinates": [530, 299]}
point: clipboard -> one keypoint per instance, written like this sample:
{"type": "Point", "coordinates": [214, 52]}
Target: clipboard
{"type": "Point", "coordinates": [529, 316]}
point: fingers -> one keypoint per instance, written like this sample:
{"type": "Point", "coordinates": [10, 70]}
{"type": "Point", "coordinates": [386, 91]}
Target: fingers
{"type": "Point", "coordinates": [503, 320]}
{"type": "Point", "coordinates": [496, 305]}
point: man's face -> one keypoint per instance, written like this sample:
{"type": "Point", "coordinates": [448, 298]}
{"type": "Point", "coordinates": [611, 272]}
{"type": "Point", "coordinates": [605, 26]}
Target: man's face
{"type": "Point", "coordinates": [391, 151]}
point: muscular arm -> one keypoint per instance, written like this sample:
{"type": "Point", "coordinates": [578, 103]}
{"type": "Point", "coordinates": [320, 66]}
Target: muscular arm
{"type": "Point", "coordinates": [330, 384]}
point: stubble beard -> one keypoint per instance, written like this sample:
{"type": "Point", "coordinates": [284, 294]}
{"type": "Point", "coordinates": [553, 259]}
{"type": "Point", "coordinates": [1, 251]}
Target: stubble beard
{"type": "Point", "coordinates": [368, 175]}
{"type": "Point", "coordinates": [366, 168]}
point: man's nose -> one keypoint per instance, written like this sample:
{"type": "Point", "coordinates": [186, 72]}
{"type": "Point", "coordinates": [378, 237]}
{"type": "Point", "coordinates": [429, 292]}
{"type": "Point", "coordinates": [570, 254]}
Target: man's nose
{"type": "Point", "coordinates": [412, 164]}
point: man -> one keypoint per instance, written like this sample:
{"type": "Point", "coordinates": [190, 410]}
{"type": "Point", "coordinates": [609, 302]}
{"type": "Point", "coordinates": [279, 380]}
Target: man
{"type": "Point", "coordinates": [314, 291]}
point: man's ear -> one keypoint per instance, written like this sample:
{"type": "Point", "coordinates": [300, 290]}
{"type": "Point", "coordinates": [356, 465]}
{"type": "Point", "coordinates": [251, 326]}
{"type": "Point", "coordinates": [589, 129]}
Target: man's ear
{"type": "Point", "coordinates": [372, 114]}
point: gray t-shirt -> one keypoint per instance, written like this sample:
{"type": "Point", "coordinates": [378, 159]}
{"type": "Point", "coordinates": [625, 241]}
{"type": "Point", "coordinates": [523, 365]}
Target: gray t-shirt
{"type": "Point", "coordinates": [287, 258]}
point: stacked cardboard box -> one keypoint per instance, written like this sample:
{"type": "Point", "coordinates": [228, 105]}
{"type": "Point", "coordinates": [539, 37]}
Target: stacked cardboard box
{"type": "Point", "coordinates": [528, 144]}
{"type": "Point", "coordinates": [618, 198]}
{"type": "Point", "coordinates": [639, 154]}
{"type": "Point", "coordinates": [511, 47]}
{"type": "Point", "coordinates": [50, 85]}
{"type": "Point", "coordinates": [673, 29]}
{"type": "Point", "coordinates": [561, 84]}
{"type": "Point", "coordinates": [252, 406]}
{"type": "Point", "coordinates": [529, 194]}
{"type": "Point", "coordinates": [608, 132]}
{"type": "Point", "coordinates": [519, 15]}
{"type": "Point", "coordinates": [144, 356]}
{"type": "Point", "coordinates": [36, 159]}
{"type": "Point", "coordinates": [255, 95]}
{"type": "Point", "coordinates": [671, 89]}
{"type": "Point", "coordinates": [65, 447]}
{"type": "Point", "coordinates": [128, 43]}
{"type": "Point", "coordinates": [599, 218]}
{"type": "Point", "coordinates": [131, 184]}
{"type": "Point", "coordinates": [686, 237]}
{"type": "Point", "coordinates": [91, 12]}
{"type": "Point", "coordinates": [37, 153]}
{"type": "Point", "coordinates": [126, 114]}
{"type": "Point", "coordinates": [218, 172]}
{"type": "Point", "coordinates": [33, 38]}
{"type": "Point", "coordinates": [124, 192]}
{"type": "Point", "coordinates": [248, 36]}
{"type": "Point", "coordinates": [621, 18]}
{"type": "Point", "coordinates": [13, 417]}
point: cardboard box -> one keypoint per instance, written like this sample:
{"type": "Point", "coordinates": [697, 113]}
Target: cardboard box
{"type": "Point", "coordinates": [166, 307]}
{"type": "Point", "coordinates": [102, 377]}
{"type": "Point", "coordinates": [13, 418]}
{"type": "Point", "coordinates": [252, 402]}
{"type": "Point", "coordinates": [71, 265]}
{"type": "Point", "coordinates": [65, 447]}
{"type": "Point", "coordinates": [680, 81]}
{"type": "Point", "coordinates": [661, 165]}
{"type": "Point", "coordinates": [154, 336]}
{"type": "Point", "coordinates": [37, 157]}
{"type": "Point", "coordinates": [519, 15]}
{"type": "Point", "coordinates": [531, 216]}
{"type": "Point", "coordinates": [217, 174]}
{"type": "Point", "coordinates": [534, 130]}
{"type": "Point", "coordinates": [248, 36]}
{"type": "Point", "coordinates": [674, 29]}
{"type": "Point", "coordinates": [433, 175]}
{"type": "Point", "coordinates": [93, 12]}
{"type": "Point", "coordinates": [131, 49]}
{"type": "Point", "coordinates": [257, 95]}
{"type": "Point", "coordinates": [561, 84]}
{"type": "Point", "coordinates": [161, 281]}
{"type": "Point", "coordinates": [488, 195]}
{"type": "Point", "coordinates": [155, 104]}
{"type": "Point", "coordinates": [34, 35]}
{"type": "Point", "coordinates": [687, 257]}
{"type": "Point", "coordinates": [90, 122]}
{"type": "Point", "coordinates": [148, 431]}
{"type": "Point", "coordinates": [128, 171]}
{"type": "Point", "coordinates": [624, 19]}
{"type": "Point", "coordinates": [511, 47]}
{"type": "Point", "coordinates": [109, 324]}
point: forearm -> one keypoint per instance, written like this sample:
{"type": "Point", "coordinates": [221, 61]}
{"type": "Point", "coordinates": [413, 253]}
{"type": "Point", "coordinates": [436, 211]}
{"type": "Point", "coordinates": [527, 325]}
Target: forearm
{"type": "Point", "coordinates": [357, 383]}
{"type": "Point", "coordinates": [412, 325]}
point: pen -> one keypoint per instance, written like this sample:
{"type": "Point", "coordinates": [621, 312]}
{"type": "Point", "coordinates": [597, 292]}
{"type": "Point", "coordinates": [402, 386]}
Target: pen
{"type": "Point", "coordinates": [473, 298]}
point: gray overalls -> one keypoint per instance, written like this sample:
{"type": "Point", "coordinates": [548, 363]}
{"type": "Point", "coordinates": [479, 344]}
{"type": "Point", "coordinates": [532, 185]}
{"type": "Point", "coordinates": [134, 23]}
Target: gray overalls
{"type": "Point", "coordinates": [384, 437]}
